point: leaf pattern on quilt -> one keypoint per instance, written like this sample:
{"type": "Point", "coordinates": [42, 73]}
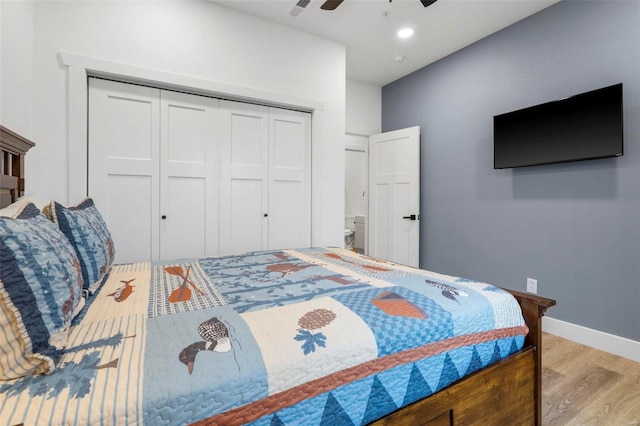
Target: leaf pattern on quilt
{"type": "Point", "coordinates": [111, 342]}
{"type": "Point", "coordinates": [310, 340]}
{"type": "Point", "coordinates": [313, 320]}
{"type": "Point", "coordinates": [76, 377]}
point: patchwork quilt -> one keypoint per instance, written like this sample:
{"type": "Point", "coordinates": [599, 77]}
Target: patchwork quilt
{"type": "Point", "coordinates": [318, 336]}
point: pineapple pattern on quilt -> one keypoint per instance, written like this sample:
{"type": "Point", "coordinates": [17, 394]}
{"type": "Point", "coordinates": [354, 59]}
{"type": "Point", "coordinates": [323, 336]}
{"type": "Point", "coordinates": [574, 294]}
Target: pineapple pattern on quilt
{"type": "Point", "coordinates": [313, 320]}
{"type": "Point", "coordinates": [216, 338]}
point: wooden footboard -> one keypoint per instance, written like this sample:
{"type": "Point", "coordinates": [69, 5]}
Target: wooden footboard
{"type": "Point", "coordinates": [499, 394]}
{"type": "Point", "coordinates": [506, 392]}
{"type": "Point", "coordinates": [533, 309]}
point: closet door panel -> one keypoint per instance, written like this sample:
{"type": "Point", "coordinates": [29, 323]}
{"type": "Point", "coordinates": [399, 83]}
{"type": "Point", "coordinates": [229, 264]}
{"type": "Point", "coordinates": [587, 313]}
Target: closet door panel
{"type": "Point", "coordinates": [130, 207]}
{"type": "Point", "coordinates": [247, 215]}
{"type": "Point", "coordinates": [182, 233]}
{"type": "Point", "coordinates": [286, 218]}
{"type": "Point", "coordinates": [123, 173]}
{"type": "Point", "coordinates": [188, 168]}
{"type": "Point", "coordinates": [244, 215]}
{"type": "Point", "coordinates": [289, 179]}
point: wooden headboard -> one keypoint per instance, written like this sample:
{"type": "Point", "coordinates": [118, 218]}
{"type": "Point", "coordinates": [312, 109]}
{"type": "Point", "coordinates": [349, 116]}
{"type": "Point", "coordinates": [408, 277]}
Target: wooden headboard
{"type": "Point", "coordinates": [13, 147]}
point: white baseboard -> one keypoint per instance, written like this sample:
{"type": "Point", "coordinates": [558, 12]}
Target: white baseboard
{"type": "Point", "coordinates": [616, 345]}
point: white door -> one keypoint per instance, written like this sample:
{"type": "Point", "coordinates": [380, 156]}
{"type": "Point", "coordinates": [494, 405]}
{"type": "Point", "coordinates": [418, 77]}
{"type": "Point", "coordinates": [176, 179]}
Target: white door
{"type": "Point", "coordinates": [123, 151]}
{"type": "Point", "coordinates": [394, 199]}
{"type": "Point", "coordinates": [153, 170]}
{"type": "Point", "coordinates": [289, 179]}
{"type": "Point", "coordinates": [188, 176]}
{"type": "Point", "coordinates": [244, 174]}
{"type": "Point", "coordinates": [265, 178]}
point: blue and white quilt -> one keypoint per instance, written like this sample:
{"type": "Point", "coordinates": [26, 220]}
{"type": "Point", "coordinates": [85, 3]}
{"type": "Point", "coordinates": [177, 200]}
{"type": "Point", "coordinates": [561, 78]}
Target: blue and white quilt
{"type": "Point", "coordinates": [318, 336]}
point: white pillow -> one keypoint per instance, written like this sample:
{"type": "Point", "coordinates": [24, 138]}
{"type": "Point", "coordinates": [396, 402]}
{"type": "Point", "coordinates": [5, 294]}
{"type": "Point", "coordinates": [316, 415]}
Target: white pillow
{"type": "Point", "coordinates": [14, 208]}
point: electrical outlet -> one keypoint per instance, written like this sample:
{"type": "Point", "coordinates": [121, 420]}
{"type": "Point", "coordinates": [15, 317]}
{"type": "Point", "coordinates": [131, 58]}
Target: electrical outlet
{"type": "Point", "coordinates": [532, 285]}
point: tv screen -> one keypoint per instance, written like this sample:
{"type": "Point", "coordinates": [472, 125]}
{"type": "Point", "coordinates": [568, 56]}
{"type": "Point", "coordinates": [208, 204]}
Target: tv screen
{"type": "Point", "coordinates": [581, 127]}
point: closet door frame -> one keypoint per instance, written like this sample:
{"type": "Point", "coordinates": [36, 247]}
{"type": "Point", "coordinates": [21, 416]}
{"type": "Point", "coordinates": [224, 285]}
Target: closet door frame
{"type": "Point", "coordinates": [79, 68]}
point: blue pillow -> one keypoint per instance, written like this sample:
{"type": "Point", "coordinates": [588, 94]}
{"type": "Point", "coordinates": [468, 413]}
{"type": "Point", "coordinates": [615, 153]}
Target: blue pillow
{"type": "Point", "coordinates": [83, 225]}
{"type": "Point", "coordinates": [40, 291]}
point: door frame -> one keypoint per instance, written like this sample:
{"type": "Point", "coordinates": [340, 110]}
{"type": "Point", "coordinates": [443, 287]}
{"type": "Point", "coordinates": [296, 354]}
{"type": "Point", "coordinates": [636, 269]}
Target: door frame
{"type": "Point", "coordinates": [414, 171]}
{"type": "Point", "coordinates": [363, 148]}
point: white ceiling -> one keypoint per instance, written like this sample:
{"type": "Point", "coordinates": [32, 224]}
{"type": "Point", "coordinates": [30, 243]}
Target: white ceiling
{"type": "Point", "coordinates": [368, 28]}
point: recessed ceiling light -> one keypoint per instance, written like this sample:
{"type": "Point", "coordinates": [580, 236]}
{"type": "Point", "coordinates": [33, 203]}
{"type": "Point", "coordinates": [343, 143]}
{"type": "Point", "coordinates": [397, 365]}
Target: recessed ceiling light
{"type": "Point", "coordinates": [405, 33]}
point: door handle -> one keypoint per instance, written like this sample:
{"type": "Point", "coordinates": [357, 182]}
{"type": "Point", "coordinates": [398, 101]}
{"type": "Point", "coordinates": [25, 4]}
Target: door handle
{"type": "Point", "coordinates": [411, 217]}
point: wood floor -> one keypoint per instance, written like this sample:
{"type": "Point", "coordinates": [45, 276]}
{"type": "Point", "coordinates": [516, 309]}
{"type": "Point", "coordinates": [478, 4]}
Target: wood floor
{"type": "Point", "coordinates": [585, 386]}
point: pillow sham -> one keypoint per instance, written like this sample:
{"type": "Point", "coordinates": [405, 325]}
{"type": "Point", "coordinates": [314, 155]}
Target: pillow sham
{"type": "Point", "coordinates": [40, 291]}
{"type": "Point", "coordinates": [12, 209]}
{"type": "Point", "coordinates": [83, 225]}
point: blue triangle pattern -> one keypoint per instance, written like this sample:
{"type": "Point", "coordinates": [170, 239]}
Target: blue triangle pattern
{"type": "Point", "coordinates": [449, 373]}
{"type": "Point", "coordinates": [379, 404]}
{"type": "Point", "coordinates": [334, 414]}
{"type": "Point", "coordinates": [505, 346]}
{"type": "Point", "coordinates": [355, 396]}
{"type": "Point", "coordinates": [461, 357]}
{"type": "Point", "coordinates": [476, 362]}
{"type": "Point", "coordinates": [395, 381]}
{"type": "Point", "coordinates": [496, 354]}
{"type": "Point", "coordinates": [417, 388]}
{"type": "Point", "coordinates": [486, 351]}
{"type": "Point", "coordinates": [312, 409]}
{"type": "Point", "coordinates": [514, 346]}
{"type": "Point", "coordinates": [430, 367]}
{"type": "Point", "coordinates": [275, 421]}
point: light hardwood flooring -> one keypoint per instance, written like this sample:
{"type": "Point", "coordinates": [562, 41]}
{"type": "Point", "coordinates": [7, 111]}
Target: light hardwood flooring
{"type": "Point", "coordinates": [585, 386]}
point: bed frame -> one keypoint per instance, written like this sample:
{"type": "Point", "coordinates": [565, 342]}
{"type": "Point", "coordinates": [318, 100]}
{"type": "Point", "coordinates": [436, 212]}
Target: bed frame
{"type": "Point", "coordinates": [506, 392]}
{"type": "Point", "coordinates": [13, 147]}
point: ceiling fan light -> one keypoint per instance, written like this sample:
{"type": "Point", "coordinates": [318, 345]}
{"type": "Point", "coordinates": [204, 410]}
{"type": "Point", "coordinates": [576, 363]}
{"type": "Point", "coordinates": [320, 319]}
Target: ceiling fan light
{"type": "Point", "coordinates": [405, 32]}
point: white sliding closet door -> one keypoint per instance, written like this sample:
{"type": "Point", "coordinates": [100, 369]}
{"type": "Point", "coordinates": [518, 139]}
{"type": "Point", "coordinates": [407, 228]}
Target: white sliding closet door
{"type": "Point", "coordinates": [188, 170]}
{"type": "Point", "coordinates": [123, 150]}
{"type": "Point", "coordinates": [265, 178]}
{"type": "Point", "coordinates": [153, 170]}
{"type": "Point", "coordinates": [244, 214]}
{"type": "Point", "coordinates": [182, 176]}
{"type": "Point", "coordinates": [289, 179]}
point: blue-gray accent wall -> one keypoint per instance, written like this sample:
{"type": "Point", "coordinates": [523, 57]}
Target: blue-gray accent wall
{"type": "Point", "coordinates": [575, 227]}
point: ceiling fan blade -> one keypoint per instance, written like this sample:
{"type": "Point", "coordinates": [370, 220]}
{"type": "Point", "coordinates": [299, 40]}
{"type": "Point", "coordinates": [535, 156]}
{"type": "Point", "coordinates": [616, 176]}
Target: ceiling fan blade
{"type": "Point", "coordinates": [331, 4]}
{"type": "Point", "coordinates": [426, 3]}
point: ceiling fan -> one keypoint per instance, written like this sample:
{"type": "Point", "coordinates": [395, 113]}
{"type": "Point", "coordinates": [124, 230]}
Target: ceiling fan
{"type": "Point", "coordinates": [333, 4]}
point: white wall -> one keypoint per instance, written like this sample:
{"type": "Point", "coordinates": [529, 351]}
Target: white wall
{"type": "Point", "coordinates": [197, 39]}
{"type": "Point", "coordinates": [363, 118]}
{"type": "Point", "coordinates": [363, 108]}
{"type": "Point", "coordinates": [16, 64]}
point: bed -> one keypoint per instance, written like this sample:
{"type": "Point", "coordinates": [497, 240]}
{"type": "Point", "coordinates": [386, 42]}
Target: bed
{"type": "Point", "coordinates": [305, 336]}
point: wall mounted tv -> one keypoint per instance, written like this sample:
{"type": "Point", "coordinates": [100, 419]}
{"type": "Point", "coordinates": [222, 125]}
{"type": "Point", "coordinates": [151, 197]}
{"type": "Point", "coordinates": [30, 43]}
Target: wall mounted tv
{"type": "Point", "coordinates": [581, 127]}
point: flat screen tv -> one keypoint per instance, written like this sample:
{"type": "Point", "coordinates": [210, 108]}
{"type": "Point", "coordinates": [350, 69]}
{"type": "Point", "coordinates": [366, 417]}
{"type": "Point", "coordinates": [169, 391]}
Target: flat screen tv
{"type": "Point", "coordinates": [581, 127]}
